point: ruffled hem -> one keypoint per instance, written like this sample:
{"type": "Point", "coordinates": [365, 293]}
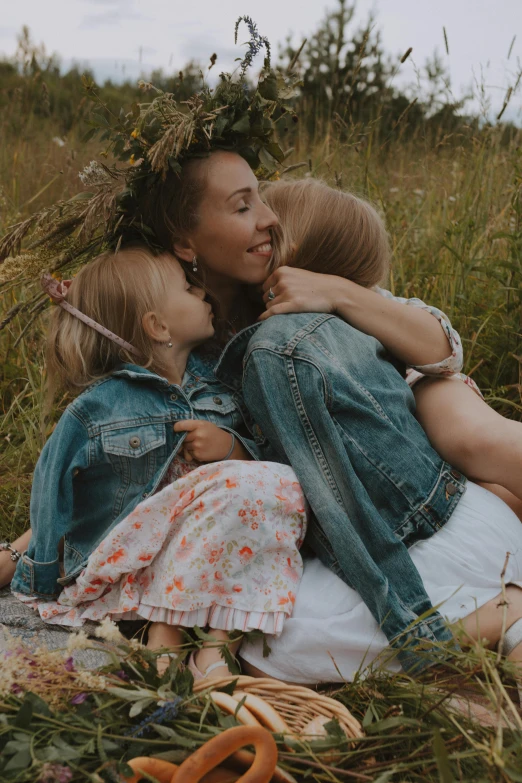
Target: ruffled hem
{"type": "Point", "coordinates": [223, 618]}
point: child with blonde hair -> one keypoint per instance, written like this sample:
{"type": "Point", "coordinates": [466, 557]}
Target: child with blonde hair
{"type": "Point", "coordinates": [147, 483]}
{"type": "Point", "coordinates": [332, 232]}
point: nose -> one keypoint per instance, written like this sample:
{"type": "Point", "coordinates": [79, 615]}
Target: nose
{"type": "Point", "coordinates": [267, 218]}
{"type": "Point", "coordinates": [199, 292]}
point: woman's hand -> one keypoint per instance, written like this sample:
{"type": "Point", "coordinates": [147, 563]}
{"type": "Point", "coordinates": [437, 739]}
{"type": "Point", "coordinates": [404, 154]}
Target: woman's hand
{"type": "Point", "coordinates": [205, 442]}
{"type": "Point", "coordinates": [300, 291]}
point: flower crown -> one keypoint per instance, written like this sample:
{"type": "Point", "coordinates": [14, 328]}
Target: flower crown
{"type": "Point", "coordinates": [151, 139]}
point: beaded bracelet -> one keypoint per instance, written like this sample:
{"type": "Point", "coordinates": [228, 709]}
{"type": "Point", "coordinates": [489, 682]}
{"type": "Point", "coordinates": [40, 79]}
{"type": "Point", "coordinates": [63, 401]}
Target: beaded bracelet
{"type": "Point", "coordinates": [15, 554]}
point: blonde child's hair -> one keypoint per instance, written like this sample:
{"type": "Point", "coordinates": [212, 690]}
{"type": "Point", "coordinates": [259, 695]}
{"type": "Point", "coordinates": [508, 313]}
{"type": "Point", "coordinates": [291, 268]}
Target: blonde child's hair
{"type": "Point", "coordinates": [116, 290]}
{"type": "Point", "coordinates": [326, 230]}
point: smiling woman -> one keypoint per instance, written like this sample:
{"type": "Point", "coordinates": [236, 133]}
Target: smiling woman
{"type": "Point", "coordinates": [213, 211]}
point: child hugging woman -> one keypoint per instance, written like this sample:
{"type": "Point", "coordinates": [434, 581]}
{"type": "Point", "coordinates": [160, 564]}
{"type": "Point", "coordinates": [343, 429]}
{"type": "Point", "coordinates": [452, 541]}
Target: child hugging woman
{"type": "Point", "coordinates": [335, 233]}
{"type": "Point", "coordinates": [147, 486]}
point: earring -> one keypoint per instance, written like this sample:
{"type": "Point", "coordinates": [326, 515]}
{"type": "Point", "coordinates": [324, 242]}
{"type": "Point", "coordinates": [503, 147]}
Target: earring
{"type": "Point", "coordinates": [194, 264]}
{"type": "Point", "coordinates": [169, 344]}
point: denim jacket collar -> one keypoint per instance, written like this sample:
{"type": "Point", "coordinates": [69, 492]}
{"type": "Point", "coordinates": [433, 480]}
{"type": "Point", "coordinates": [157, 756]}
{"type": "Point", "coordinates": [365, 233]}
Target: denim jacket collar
{"type": "Point", "coordinates": [229, 367]}
{"type": "Point", "coordinates": [197, 366]}
{"type": "Point", "coordinates": [291, 331]}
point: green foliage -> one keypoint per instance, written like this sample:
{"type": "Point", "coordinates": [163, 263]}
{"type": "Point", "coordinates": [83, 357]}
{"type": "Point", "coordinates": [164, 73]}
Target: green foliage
{"type": "Point", "coordinates": [413, 729]}
{"type": "Point", "coordinates": [451, 195]}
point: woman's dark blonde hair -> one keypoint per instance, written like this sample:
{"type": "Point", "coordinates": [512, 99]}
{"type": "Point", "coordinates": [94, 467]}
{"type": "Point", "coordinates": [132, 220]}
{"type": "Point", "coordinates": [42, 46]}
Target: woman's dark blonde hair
{"type": "Point", "coordinates": [326, 230]}
{"type": "Point", "coordinates": [115, 290]}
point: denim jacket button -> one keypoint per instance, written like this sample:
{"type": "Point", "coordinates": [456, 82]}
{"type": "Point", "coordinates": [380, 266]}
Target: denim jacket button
{"type": "Point", "coordinates": [134, 442]}
{"type": "Point", "coordinates": [173, 397]}
{"type": "Point", "coordinates": [451, 489]}
{"type": "Point", "coordinates": [218, 400]}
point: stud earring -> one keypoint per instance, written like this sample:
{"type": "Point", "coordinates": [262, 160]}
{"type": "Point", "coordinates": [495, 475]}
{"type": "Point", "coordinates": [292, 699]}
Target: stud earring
{"type": "Point", "coordinates": [194, 264]}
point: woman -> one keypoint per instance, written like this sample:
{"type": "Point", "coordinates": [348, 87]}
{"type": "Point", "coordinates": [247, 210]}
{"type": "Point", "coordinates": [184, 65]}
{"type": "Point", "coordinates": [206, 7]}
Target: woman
{"type": "Point", "coordinates": [229, 237]}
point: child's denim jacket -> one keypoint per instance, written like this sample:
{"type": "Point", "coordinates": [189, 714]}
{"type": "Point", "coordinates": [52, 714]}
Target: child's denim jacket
{"type": "Point", "coordinates": [110, 450]}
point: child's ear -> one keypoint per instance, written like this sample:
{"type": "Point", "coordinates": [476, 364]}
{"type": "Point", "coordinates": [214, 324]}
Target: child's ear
{"type": "Point", "coordinates": [155, 328]}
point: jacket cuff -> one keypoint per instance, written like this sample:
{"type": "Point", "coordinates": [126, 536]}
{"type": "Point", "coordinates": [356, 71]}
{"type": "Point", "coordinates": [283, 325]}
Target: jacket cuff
{"type": "Point", "coordinates": [427, 643]}
{"type": "Point", "coordinates": [33, 578]}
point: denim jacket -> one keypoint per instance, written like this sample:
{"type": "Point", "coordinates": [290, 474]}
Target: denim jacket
{"type": "Point", "coordinates": [110, 449]}
{"type": "Point", "coordinates": [324, 399]}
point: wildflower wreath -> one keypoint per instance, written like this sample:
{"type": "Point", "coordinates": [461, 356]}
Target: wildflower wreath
{"type": "Point", "coordinates": [150, 139]}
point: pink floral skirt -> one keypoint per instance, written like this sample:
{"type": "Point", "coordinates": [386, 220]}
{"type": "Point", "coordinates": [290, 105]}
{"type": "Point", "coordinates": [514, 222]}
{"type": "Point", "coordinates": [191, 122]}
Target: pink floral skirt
{"type": "Point", "coordinates": [218, 547]}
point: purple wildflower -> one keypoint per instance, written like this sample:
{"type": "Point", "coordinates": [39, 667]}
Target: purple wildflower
{"type": "Point", "coordinates": [165, 713]}
{"type": "Point", "coordinates": [69, 664]}
{"type": "Point", "coordinates": [55, 773]}
{"type": "Point", "coordinates": [16, 689]}
{"type": "Point", "coordinates": [255, 44]}
{"type": "Point", "coordinates": [122, 675]}
{"type": "Point", "coordinates": [79, 698]}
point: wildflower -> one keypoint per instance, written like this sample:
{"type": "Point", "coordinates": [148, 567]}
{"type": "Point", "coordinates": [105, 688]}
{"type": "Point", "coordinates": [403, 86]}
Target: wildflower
{"type": "Point", "coordinates": [55, 773]}
{"type": "Point", "coordinates": [109, 631]}
{"type": "Point", "coordinates": [134, 134]}
{"type": "Point", "coordinates": [93, 174]}
{"type": "Point", "coordinates": [132, 159]}
{"type": "Point", "coordinates": [77, 641]}
{"type": "Point", "coordinates": [167, 712]}
{"type": "Point", "coordinates": [255, 44]}
{"type": "Point", "coordinates": [134, 644]}
{"type": "Point", "coordinates": [79, 698]}
{"type": "Point", "coordinates": [69, 664]}
{"type": "Point", "coordinates": [91, 681]}
{"type": "Point", "coordinates": [58, 141]}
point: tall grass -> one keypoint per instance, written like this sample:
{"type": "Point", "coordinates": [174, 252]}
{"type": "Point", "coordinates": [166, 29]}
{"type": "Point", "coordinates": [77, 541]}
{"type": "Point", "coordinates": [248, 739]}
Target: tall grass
{"type": "Point", "coordinates": [453, 208]}
{"type": "Point", "coordinates": [454, 211]}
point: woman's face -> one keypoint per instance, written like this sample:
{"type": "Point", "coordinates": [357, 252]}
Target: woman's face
{"type": "Point", "coordinates": [232, 238]}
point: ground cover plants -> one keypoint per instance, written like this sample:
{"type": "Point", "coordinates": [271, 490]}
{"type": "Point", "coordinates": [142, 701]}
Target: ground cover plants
{"type": "Point", "coordinates": [451, 193]}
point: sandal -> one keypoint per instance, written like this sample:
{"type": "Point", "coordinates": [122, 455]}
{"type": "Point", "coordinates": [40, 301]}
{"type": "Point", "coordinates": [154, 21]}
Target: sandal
{"type": "Point", "coordinates": [197, 673]}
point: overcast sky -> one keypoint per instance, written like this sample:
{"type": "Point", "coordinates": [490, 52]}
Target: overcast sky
{"type": "Point", "coordinates": [111, 35]}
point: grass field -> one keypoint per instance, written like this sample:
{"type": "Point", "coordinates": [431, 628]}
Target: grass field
{"type": "Point", "coordinates": [453, 206]}
{"type": "Point", "coordinates": [454, 211]}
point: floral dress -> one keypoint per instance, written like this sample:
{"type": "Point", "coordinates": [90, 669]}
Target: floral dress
{"type": "Point", "coordinates": [218, 545]}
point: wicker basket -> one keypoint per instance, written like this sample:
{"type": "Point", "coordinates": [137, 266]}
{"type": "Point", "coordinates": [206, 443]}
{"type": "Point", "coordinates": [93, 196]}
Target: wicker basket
{"type": "Point", "coordinates": [296, 704]}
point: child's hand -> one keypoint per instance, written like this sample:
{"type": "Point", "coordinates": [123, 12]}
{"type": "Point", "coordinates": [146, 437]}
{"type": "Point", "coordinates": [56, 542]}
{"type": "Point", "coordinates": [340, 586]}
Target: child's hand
{"type": "Point", "coordinates": [205, 442]}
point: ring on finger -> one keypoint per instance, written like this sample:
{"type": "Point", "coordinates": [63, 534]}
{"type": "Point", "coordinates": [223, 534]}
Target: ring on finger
{"type": "Point", "coordinates": [271, 295]}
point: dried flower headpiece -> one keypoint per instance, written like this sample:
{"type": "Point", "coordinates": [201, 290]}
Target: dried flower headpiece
{"type": "Point", "coordinates": [150, 139]}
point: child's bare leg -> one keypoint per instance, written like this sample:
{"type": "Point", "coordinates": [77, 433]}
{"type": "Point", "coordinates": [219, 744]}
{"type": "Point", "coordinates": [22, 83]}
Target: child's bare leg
{"type": "Point", "coordinates": [164, 635]}
{"type": "Point", "coordinates": [469, 434]}
{"type": "Point", "coordinates": [210, 653]}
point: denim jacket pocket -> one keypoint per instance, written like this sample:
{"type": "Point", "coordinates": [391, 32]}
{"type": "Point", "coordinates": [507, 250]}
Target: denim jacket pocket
{"type": "Point", "coordinates": [215, 407]}
{"type": "Point", "coordinates": [136, 452]}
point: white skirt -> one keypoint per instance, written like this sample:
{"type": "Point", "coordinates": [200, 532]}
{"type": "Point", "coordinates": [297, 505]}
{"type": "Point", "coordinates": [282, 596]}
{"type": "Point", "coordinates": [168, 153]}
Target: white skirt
{"type": "Point", "coordinates": [332, 635]}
